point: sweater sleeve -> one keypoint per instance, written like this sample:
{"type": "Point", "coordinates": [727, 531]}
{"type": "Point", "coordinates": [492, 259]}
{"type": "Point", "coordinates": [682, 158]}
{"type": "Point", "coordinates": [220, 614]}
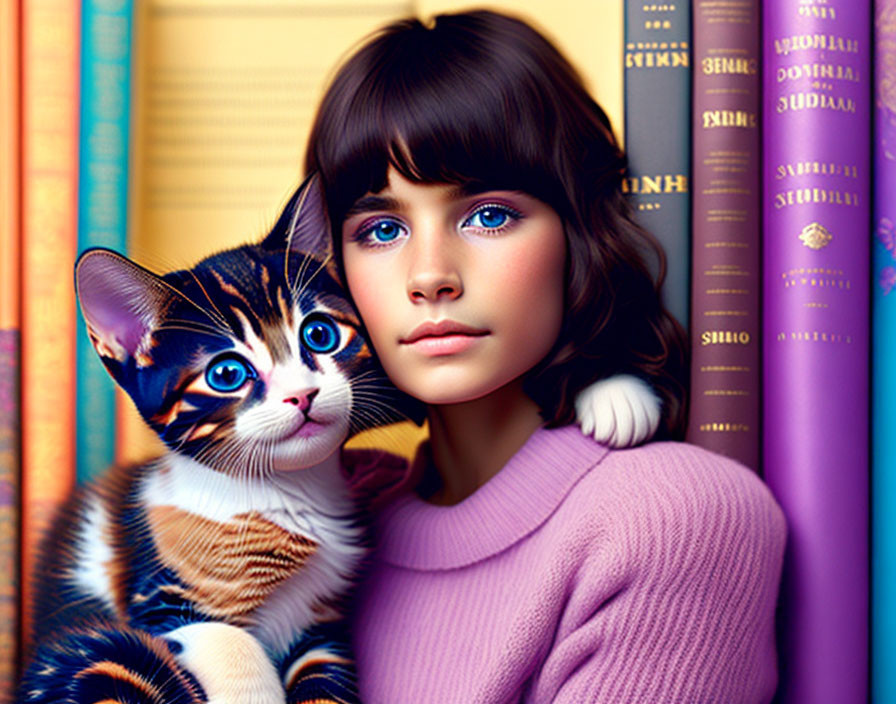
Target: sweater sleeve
{"type": "Point", "coordinates": [694, 555]}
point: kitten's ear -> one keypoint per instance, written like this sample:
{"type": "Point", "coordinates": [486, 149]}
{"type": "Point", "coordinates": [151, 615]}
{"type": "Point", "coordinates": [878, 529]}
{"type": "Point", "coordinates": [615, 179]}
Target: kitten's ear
{"type": "Point", "coordinates": [303, 225]}
{"type": "Point", "coordinates": [121, 301]}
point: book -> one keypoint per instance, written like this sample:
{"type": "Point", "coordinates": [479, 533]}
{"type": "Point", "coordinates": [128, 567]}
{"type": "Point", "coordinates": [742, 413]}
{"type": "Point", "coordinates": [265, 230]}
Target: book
{"type": "Point", "coordinates": [726, 237]}
{"type": "Point", "coordinates": [102, 203]}
{"type": "Point", "coordinates": [883, 352]}
{"type": "Point", "coordinates": [50, 40]}
{"type": "Point", "coordinates": [658, 135]}
{"type": "Point", "coordinates": [10, 466]}
{"type": "Point", "coordinates": [816, 212]}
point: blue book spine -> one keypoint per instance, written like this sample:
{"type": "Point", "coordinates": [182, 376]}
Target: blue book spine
{"type": "Point", "coordinates": [106, 34]}
{"type": "Point", "coordinates": [883, 390]}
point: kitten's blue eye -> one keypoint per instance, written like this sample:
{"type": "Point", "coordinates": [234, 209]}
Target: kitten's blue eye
{"type": "Point", "coordinates": [228, 374]}
{"type": "Point", "coordinates": [491, 217]}
{"type": "Point", "coordinates": [320, 334]}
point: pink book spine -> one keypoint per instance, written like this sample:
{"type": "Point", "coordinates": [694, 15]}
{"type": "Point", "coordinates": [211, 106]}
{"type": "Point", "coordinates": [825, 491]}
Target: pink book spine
{"type": "Point", "coordinates": [817, 70]}
{"type": "Point", "coordinates": [725, 281]}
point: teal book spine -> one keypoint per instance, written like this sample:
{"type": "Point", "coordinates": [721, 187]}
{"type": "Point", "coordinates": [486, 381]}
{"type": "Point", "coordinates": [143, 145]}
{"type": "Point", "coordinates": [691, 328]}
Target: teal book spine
{"type": "Point", "coordinates": [102, 201]}
{"type": "Point", "coordinates": [657, 105]}
{"type": "Point", "coordinates": [883, 361]}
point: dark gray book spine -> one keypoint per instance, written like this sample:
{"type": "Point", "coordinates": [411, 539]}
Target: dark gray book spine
{"type": "Point", "coordinates": [657, 134]}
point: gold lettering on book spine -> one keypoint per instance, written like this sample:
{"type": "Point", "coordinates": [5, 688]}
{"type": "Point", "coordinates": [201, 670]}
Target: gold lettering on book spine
{"type": "Point", "coordinates": [814, 336]}
{"type": "Point", "coordinates": [802, 196]}
{"type": "Point", "coordinates": [814, 101]}
{"type": "Point", "coordinates": [725, 337]}
{"type": "Point", "coordinates": [729, 118]}
{"type": "Point", "coordinates": [726, 65]}
{"type": "Point", "coordinates": [816, 42]}
{"type": "Point", "coordinates": [654, 185]}
{"type": "Point", "coordinates": [724, 427]}
{"type": "Point", "coordinates": [657, 59]}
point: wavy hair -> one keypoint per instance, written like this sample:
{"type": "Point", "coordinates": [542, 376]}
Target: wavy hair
{"type": "Point", "coordinates": [483, 98]}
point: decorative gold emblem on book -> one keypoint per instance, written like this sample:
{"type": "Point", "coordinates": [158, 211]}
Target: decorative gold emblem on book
{"type": "Point", "coordinates": [815, 236]}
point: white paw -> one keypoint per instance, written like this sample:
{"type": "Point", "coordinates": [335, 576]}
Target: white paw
{"type": "Point", "coordinates": [229, 663]}
{"type": "Point", "coordinates": [620, 411]}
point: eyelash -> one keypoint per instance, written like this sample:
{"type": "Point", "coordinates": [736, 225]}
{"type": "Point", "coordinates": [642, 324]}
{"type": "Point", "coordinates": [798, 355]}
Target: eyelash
{"type": "Point", "coordinates": [514, 216]}
{"type": "Point", "coordinates": [364, 233]}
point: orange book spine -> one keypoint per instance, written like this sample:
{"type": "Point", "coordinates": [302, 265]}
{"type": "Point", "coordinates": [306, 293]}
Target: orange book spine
{"type": "Point", "coordinates": [50, 67]}
{"type": "Point", "coordinates": [10, 168]}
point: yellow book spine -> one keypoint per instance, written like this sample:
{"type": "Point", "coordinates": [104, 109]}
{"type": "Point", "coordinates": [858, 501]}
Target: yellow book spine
{"type": "Point", "coordinates": [50, 36]}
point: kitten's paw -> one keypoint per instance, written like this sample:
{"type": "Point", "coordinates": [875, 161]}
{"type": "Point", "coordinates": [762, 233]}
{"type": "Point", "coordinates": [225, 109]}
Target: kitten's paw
{"type": "Point", "coordinates": [620, 411]}
{"type": "Point", "coordinates": [229, 663]}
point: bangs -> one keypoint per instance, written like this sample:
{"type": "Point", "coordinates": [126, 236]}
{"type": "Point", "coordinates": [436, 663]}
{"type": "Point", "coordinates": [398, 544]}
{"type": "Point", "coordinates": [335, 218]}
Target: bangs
{"type": "Point", "coordinates": [439, 108]}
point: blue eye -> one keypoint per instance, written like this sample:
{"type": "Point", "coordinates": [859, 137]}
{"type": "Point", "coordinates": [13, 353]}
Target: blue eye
{"type": "Point", "coordinates": [320, 334]}
{"type": "Point", "coordinates": [382, 232]}
{"type": "Point", "coordinates": [228, 374]}
{"type": "Point", "coordinates": [491, 217]}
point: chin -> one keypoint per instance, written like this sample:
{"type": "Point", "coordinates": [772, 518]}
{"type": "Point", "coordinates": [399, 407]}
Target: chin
{"type": "Point", "coordinates": [302, 452]}
{"type": "Point", "coordinates": [446, 394]}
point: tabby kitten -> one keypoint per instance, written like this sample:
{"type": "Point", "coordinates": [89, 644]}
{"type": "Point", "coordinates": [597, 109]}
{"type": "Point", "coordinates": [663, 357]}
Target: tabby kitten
{"type": "Point", "coordinates": [219, 572]}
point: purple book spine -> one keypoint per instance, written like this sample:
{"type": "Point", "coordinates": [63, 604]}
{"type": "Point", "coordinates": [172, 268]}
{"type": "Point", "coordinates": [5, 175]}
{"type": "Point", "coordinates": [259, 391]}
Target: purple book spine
{"type": "Point", "coordinates": [883, 352]}
{"type": "Point", "coordinates": [816, 150]}
{"type": "Point", "coordinates": [725, 315]}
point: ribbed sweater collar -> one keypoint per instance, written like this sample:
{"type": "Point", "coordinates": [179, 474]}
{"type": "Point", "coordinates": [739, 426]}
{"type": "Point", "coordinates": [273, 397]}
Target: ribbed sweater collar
{"type": "Point", "coordinates": [520, 497]}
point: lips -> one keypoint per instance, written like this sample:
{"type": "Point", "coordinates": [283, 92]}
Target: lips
{"type": "Point", "coordinates": [443, 328]}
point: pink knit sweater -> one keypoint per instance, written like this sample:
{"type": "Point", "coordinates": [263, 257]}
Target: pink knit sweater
{"type": "Point", "coordinates": [578, 574]}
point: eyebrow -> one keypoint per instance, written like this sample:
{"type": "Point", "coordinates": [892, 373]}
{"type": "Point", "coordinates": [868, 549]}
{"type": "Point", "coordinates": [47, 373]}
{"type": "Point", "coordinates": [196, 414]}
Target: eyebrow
{"type": "Point", "coordinates": [368, 203]}
{"type": "Point", "coordinates": [365, 204]}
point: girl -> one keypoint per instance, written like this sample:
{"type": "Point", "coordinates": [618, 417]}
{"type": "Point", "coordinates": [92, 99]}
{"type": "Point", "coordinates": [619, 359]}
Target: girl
{"type": "Point", "coordinates": [473, 188]}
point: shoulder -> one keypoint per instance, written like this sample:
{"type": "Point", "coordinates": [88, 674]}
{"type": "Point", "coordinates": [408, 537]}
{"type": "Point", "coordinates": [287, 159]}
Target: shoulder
{"type": "Point", "coordinates": [679, 561]}
{"type": "Point", "coordinates": [688, 477]}
{"type": "Point", "coordinates": [661, 496]}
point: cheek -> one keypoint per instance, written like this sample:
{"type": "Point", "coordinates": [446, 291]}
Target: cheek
{"type": "Point", "coordinates": [532, 288]}
{"type": "Point", "coordinates": [369, 286]}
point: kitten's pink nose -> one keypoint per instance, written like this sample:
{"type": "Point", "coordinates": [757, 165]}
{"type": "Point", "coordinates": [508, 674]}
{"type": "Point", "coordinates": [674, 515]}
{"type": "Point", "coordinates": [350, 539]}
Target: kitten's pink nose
{"type": "Point", "coordinates": [302, 399]}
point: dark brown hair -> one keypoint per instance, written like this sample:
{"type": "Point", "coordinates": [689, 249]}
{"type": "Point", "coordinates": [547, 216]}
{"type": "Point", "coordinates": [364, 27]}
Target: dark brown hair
{"type": "Point", "coordinates": [483, 98]}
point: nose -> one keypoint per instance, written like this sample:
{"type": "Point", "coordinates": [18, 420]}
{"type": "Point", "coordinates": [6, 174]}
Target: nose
{"type": "Point", "coordinates": [302, 399]}
{"type": "Point", "coordinates": [434, 271]}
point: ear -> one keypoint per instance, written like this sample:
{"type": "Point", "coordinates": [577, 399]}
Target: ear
{"type": "Point", "coordinates": [303, 226]}
{"type": "Point", "coordinates": [121, 301]}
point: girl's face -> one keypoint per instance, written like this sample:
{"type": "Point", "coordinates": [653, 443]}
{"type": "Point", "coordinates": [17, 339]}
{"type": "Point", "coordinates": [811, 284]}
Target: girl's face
{"type": "Point", "coordinates": [461, 293]}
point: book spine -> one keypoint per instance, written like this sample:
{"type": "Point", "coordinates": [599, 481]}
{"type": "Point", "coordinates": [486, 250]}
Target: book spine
{"type": "Point", "coordinates": [102, 203]}
{"type": "Point", "coordinates": [10, 222]}
{"type": "Point", "coordinates": [883, 352]}
{"type": "Point", "coordinates": [657, 87]}
{"type": "Point", "coordinates": [726, 250]}
{"type": "Point", "coordinates": [49, 198]}
{"type": "Point", "coordinates": [816, 145]}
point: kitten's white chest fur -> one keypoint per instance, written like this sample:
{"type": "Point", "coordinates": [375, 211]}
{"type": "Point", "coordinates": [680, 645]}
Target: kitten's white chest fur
{"type": "Point", "coordinates": [312, 504]}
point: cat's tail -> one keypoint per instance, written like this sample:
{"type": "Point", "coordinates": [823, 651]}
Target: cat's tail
{"type": "Point", "coordinates": [95, 665]}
